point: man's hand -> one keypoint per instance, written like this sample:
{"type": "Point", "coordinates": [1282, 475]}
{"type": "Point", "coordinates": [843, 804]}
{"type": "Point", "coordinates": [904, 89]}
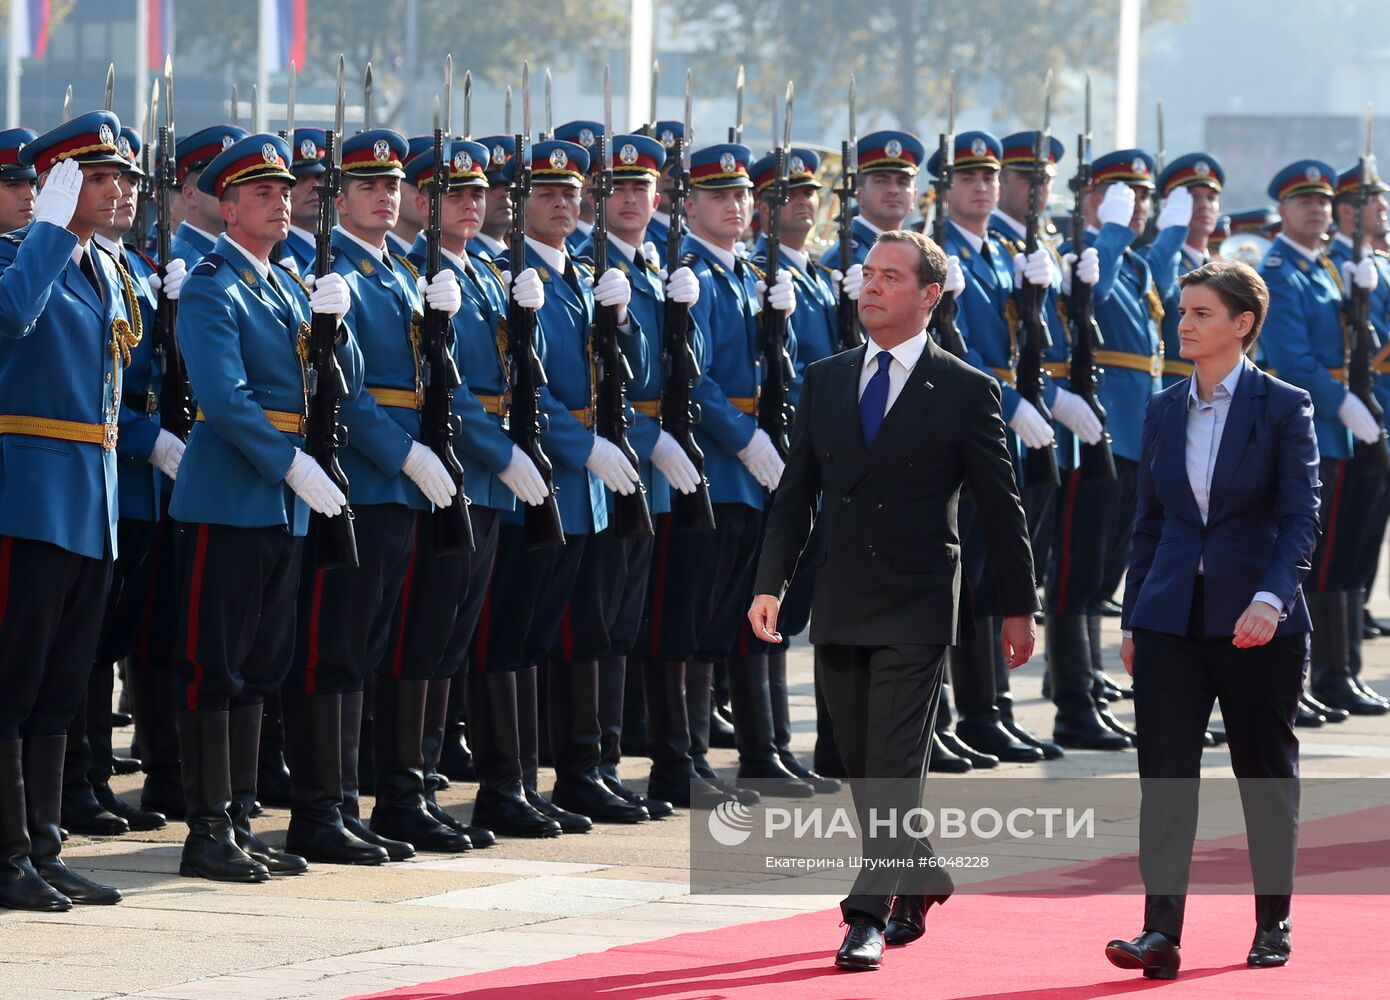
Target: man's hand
{"type": "Point", "coordinates": [528, 291]}
{"type": "Point", "coordinates": [57, 199]}
{"type": "Point", "coordinates": [1117, 207]}
{"type": "Point", "coordinates": [1256, 626]}
{"type": "Point", "coordinates": [1127, 654]}
{"type": "Point", "coordinates": [1017, 637]}
{"type": "Point", "coordinates": [1177, 209]}
{"type": "Point", "coordinates": [763, 617]}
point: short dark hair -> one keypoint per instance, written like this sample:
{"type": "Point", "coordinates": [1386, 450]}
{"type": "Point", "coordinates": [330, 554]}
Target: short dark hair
{"type": "Point", "coordinates": [931, 259]}
{"type": "Point", "coordinates": [1239, 286]}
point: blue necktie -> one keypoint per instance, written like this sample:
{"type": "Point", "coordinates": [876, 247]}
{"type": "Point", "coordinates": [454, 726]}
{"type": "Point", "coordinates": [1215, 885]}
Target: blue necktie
{"type": "Point", "coordinates": [874, 403]}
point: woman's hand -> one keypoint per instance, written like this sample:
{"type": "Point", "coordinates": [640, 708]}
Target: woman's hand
{"type": "Point", "coordinates": [1256, 626]}
{"type": "Point", "coordinates": [1127, 654]}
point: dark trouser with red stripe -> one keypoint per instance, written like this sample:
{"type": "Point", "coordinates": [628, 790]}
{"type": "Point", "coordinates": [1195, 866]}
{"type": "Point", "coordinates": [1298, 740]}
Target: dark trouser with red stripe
{"type": "Point", "coordinates": [1095, 523]}
{"type": "Point", "coordinates": [525, 600]}
{"type": "Point", "coordinates": [486, 525]}
{"type": "Point", "coordinates": [345, 614]}
{"type": "Point", "coordinates": [1040, 508]}
{"type": "Point", "coordinates": [1375, 535]}
{"type": "Point", "coordinates": [236, 605]}
{"type": "Point", "coordinates": [427, 613]}
{"type": "Point", "coordinates": [50, 604]}
{"type": "Point", "coordinates": [1347, 514]}
{"type": "Point", "coordinates": [605, 601]}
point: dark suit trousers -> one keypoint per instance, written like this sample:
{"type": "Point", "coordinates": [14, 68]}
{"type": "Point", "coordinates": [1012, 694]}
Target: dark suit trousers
{"type": "Point", "coordinates": [882, 700]}
{"type": "Point", "coordinates": [1176, 680]}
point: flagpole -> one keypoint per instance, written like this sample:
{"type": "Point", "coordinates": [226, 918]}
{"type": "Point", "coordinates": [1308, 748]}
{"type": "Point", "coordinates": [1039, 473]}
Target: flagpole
{"type": "Point", "coordinates": [640, 50]}
{"type": "Point", "coordinates": [142, 63]}
{"type": "Point", "coordinates": [266, 39]}
{"type": "Point", "coordinates": [12, 66]}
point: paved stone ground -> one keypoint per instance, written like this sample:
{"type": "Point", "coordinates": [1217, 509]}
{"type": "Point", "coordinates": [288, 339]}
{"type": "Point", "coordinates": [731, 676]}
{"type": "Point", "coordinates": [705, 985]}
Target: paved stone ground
{"type": "Point", "coordinates": [338, 932]}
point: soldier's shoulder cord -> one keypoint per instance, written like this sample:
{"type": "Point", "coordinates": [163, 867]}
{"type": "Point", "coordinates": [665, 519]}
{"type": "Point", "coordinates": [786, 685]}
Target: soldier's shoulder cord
{"type": "Point", "coordinates": [293, 274]}
{"type": "Point", "coordinates": [405, 262]}
{"type": "Point", "coordinates": [132, 305]}
{"type": "Point", "coordinates": [150, 261]}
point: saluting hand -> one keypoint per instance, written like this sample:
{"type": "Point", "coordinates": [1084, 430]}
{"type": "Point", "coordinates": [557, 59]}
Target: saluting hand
{"type": "Point", "coordinates": [57, 199]}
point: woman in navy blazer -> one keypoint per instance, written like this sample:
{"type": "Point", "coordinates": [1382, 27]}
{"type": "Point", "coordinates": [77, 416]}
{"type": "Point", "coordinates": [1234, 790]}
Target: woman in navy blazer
{"type": "Point", "coordinates": [1214, 611]}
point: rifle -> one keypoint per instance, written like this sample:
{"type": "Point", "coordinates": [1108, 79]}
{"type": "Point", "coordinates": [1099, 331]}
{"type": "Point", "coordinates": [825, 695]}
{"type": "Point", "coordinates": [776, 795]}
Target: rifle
{"type": "Point", "coordinates": [325, 386]}
{"type": "Point", "coordinates": [631, 515]}
{"type": "Point", "coordinates": [1097, 460]}
{"type": "Point", "coordinates": [943, 319]}
{"type": "Point", "coordinates": [453, 531]}
{"type": "Point", "coordinates": [176, 393]}
{"type": "Point", "coordinates": [775, 412]}
{"type": "Point", "coordinates": [679, 413]}
{"type": "Point", "coordinates": [849, 335]}
{"type": "Point", "coordinates": [1371, 459]}
{"type": "Point", "coordinates": [543, 525]}
{"type": "Point", "coordinates": [1039, 464]}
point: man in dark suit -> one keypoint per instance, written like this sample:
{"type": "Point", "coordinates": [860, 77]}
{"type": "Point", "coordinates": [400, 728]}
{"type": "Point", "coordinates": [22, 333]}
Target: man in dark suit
{"type": "Point", "coordinates": [888, 595]}
{"type": "Point", "coordinates": [1214, 607]}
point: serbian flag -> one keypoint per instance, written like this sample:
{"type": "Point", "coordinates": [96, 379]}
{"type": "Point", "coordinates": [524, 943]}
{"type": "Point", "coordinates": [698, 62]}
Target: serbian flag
{"type": "Point", "coordinates": [159, 32]}
{"type": "Point", "coordinates": [31, 21]}
{"type": "Point", "coordinates": [284, 33]}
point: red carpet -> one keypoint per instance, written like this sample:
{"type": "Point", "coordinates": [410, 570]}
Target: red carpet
{"type": "Point", "coordinates": [976, 947]}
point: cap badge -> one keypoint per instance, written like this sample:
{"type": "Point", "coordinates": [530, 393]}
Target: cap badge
{"type": "Point", "coordinates": [1139, 166]}
{"type": "Point", "coordinates": [1201, 168]}
{"type": "Point", "coordinates": [123, 144]}
{"type": "Point", "coordinates": [1313, 174]}
{"type": "Point", "coordinates": [499, 154]}
{"type": "Point", "coordinates": [796, 165]}
{"type": "Point", "coordinates": [558, 159]}
{"type": "Point", "coordinates": [668, 138]}
{"type": "Point", "coordinates": [307, 149]}
{"type": "Point", "coordinates": [105, 134]}
{"type": "Point", "coordinates": [227, 141]}
{"type": "Point", "coordinates": [269, 153]}
{"type": "Point", "coordinates": [628, 154]}
{"type": "Point", "coordinates": [463, 163]}
{"type": "Point", "coordinates": [978, 146]}
{"type": "Point", "coordinates": [728, 163]}
{"type": "Point", "coordinates": [586, 137]}
{"type": "Point", "coordinates": [893, 148]}
{"type": "Point", "coordinates": [381, 149]}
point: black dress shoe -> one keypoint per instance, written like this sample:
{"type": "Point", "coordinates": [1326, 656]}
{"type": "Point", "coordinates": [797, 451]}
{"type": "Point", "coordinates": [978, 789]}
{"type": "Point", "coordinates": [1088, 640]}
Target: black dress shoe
{"type": "Point", "coordinates": [125, 765]}
{"type": "Point", "coordinates": [480, 836]}
{"type": "Point", "coordinates": [771, 777]}
{"type": "Point", "coordinates": [1110, 609]}
{"type": "Point", "coordinates": [588, 795]}
{"type": "Point", "coordinates": [907, 921]}
{"type": "Point", "coordinates": [1340, 692]}
{"type": "Point", "coordinates": [396, 850]}
{"type": "Point", "coordinates": [944, 760]}
{"type": "Point", "coordinates": [1369, 691]}
{"type": "Point", "coordinates": [75, 887]}
{"type": "Point", "coordinates": [1328, 713]}
{"type": "Point", "coordinates": [1111, 691]}
{"type": "Point", "coordinates": [276, 862]}
{"type": "Point", "coordinates": [1088, 735]}
{"type": "Point", "coordinates": [23, 888]}
{"type": "Point", "coordinates": [1050, 750]}
{"type": "Point", "coordinates": [570, 822]}
{"type": "Point", "coordinates": [681, 788]}
{"type": "Point", "coordinates": [745, 796]}
{"type": "Point", "coordinates": [1308, 717]}
{"type": "Point", "coordinates": [82, 813]}
{"type": "Point", "coordinates": [1217, 736]}
{"type": "Point", "coordinates": [991, 738]}
{"type": "Point", "coordinates": [1271, 948]}
{"type": "Point", "coordinates": [862, 950]}
{"type": "Point", "coordinates": [506, 811]}
{"type": "Point", "coordinates": [119, 720]}
{"type": "Point", "coordinates": [952, 742]}
{"type": "Point", "coordinates": [656, 808]}
{"type": "Point", "coordinates": [1110, 722]}
{"type": "Point", "coordinates": [820, 783]}
{"type": "Point", "coordinates": [136, 819]}
{"type": "Point", "coordinates": [721, 730]}
{"type": "Point", "coordinates": [1157, 954]}
{"type": "Point", "coordinates": [420, 830]}
{"type": "Point", "coordinates": [321, 841]}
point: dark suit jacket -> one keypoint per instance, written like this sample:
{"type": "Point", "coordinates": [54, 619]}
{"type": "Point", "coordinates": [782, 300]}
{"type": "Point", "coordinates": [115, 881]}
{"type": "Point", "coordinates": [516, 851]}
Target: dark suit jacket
{"type": "Point", "coordinates": [889, 568]}
{"type": "Point", "coordinates": [1262, 522]}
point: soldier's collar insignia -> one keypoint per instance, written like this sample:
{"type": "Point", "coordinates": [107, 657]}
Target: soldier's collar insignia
{"type": "Point", "coordinates": [366, 267]}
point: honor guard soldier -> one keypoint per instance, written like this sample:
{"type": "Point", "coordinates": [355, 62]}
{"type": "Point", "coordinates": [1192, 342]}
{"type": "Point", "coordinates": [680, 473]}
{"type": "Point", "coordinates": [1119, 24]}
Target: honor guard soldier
{"type": "Point", "coordinates": [308, 170]}
{"type": "Point", "coordinates": [491, 241]}
{"type": "Point", "coordinates": [346, 612]}
{"type": "Point", "coordinates": [401, 238]}
{"type": "Point", "coordinates": [16, 180]}
{"type": "Point", "coordinates": [624, 565]}
{"type": "Point", "coordinates": [201, 219]}
{"type": "Point", "coordinates": [584, 464]}
{"type": "Point", "coordinates": [146, 458]}
{"type": "Point", "coordinates": [888, 163]}
{"type": "Point", "coordinates": [1191, 189]}
{"type": "Point", "coordinates": [659, 229]}
{"type": "Point", "coordinates": [242, 500]}
{"type": "Point", "coordinates": [1096, 519]}
{"type": "Point", "coordinates": [817, 305]}
{"type": "Point", "coordinates": [1373, 223]}
{"type": "Point", "coordinates": [68, 322]}
{"type": "Point", "coordinates": [582, 133]}
{"type": "Point", "coordinates": [701, 581]}
{"type": "Point", "coordinates": [1306, 343]}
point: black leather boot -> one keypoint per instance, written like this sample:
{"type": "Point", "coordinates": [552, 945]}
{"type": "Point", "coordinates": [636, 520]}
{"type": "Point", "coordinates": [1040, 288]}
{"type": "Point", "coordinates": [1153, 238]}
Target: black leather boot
{"type": "Point", "coordinates": [396, 850]}
{"type": "Point", "coordinates": [1356, 601]}
{"type": "Point", "coordinates": [1078, 725]}
{"type": "Point", "coordinates": [102, 759]}
{"type": "Point", "coordinates": [21, 886]}
{"type": "Point", "coordinates": [81, 811]}
{"type": "Point", "coordinates": [945, 738]}
{"type": "Point", "coordinates": [721, 715]}
{"type": "Point", "coordinates": [156, 724]}
{"type": "Point", "coordinates": [455, 755]}
{"type": "Point", "coordinates": [1331, 673]}
{"type": "Point", "coordinates": [210, 851]}
{"type": "Point", "coordinates": [782, 726]}
{"type": "Point", "coordinates": [973, 683]}
{"type": "Point", "coordinates": [273, 785]}
{"type": "Point", "coordinates": [528, 736]}
{"type": "Point", "coordinates": [576, 738]}
{"type": "Point", "coordinates": [501, 805]}
{"type": "Point", "coordinates": [673, 776]}
{"type": "Point", "coordinates": [758, 760]}
{"type": "Point", "coordinates": [634, 728]}
{"type": "Point", "coordinates": [400, 813]}
{"type": "Point", "coordinates": [699, 681]}
{"type": "Point", "coordinates": [314, 746]}
{"type": "Point", "coordinates": [1104, 686]}
{"type": "Point", "coordinates": [439, 705]}
{"type": "Point", "coordinates": [942, 759]}
{"type": "Point", "coordinates": [612, 690]}
{"type": "Point", "coordinates": [244, 733]}
{"type": "Point", "coordinates": [43, 795]}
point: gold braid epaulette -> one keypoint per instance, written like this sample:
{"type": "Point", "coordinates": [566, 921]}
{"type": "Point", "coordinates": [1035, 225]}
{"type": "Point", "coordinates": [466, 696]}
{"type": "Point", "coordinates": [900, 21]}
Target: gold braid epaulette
{"type": "Point", "coordinates": [301, 340]}
{"type": "Point", "coordinates": [125, 337]}
{"type": "Point", "coordinates": [761, 274]}
{"type": "Point", "coordinates": [1155, 304]}
{"type": "Point", "coordinates": [417, 334]}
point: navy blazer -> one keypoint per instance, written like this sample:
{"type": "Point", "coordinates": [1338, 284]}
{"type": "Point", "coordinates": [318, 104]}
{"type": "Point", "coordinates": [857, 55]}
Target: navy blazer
{"type": "Point", "coordinates": [1262, 521]}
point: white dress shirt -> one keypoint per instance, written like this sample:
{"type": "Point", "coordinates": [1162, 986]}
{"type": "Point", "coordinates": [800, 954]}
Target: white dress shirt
{"type": "Point", "coordinates": [378, 253]}
{"type": "Point", "coordinates": [905, 358]}
{"type": "Point", "coordinates": [496, 247]}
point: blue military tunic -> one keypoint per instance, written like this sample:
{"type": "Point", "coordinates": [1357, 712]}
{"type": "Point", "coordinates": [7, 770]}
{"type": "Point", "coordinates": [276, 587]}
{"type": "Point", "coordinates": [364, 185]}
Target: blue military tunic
{"type": "Point", "coordinates": [299, 249]}
{"type": "Point", "coordinates": [658, 234]}
{"type": "Point", "coordinates": [139, 482]}
{"type": "Point", "coordinates": [1304, 337]}
{"type": "Point", "coordinates": [52, 320]}
{"type": "Point", "coordinates": [1169, 258]}
{"type": "Point", "coordinates": [189, 244]}
{"type": "Point", "coordinates": [986, 322]}
{"type": "Point", "coordinates": [1058, 352]}
{"type": "Point", "coordinates": [864, 237]}
{"type": "Point", "coordinates": [1339, 252]}
{"type": "Point", "coordinates": [814, 324]}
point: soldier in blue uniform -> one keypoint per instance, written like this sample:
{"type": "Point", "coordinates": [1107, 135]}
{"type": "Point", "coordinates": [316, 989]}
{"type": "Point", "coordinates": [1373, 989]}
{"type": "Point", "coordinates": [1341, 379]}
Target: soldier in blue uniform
{"type": "Point", "coordinates": [308, 168]}
{"type": "Point", "coordinates": [584, 133]}
{"type": "Point", "coordinates": [490, 243]}
{"type": "Point", "coordinates": [401, 239]}
{"type": "Point", "coordinates": [700, 581]}
{"type": "Point", "coordinates": [201, 222]}
{"type": "Point", "coordinates": [146, 458]}
{"type": "Point", "coordinates": [888, 163]}
{"type": "Point", "coordinates": [68, 322]}
{"type": "Point", "coordinates": [17, 181]}
{"type": "Point", "coordinates": [1096, 519]}
{"type": "Point", "coordinates": [242, 500]}
{"type": "Point", "coordinates": [1191, 189]}
{"type": "Point", "coordinates": [1308, 348]}
{"type": "Point", "coordinates": [659, 229]}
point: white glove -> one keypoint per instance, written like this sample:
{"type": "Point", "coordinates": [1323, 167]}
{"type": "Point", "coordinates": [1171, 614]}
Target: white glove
{"type": "Point", "coordinates": [1032, 429]}
{"type": "Point", "coordinates": [1073, 414]}
{"type": "Point", "coordinates": [1363, 274]}
{"type": "Point", "coordinates": [612, 289]}
{"type": "Point", "coordinates": [174, 273]}
{"type": "Point", "coordinates": [528, 291]}
{"type": "Point", "coordinates": [1358, 420]}
{"type": "Point", "coordinates": [781, 296]}
{"type": "Point", "coordinates": [330, 296]}
{"type": "Point", "coordinates": [653, 255]}
{"type": "Point", "coordinates": [427, 472]}
{"type": "Point", "coordinates": [672, 462]}
{"type": "Point", "coordinates": [442, 293]}
{"type": "Point", "coordinates": [760, 457]}
{"type": "Point", "coordinates": [683, 287]}
{"type": "Point", "coordinates": [612, 466]}
{"type": "Point", "coordinates": [1088, 271]}
{"type": "Point", "coordinates": [1177, 209]}
{"type": "Point", "coordinates": [1036, 269]}
{"type": "Point", "coordinates": [852, 281]}
{"type": "Point", "coordinates": [1117, 206]}
{"type": "Point", "coordinates": [57, 199]}
{"type": "Point", "coordinates": [955, 277]}
{"type": "Point", "coordinates": [166, 454]}
{"type": "Point", "coordinates": [312, 485]}
{"type": "Point", "coordinates": [523, 478]}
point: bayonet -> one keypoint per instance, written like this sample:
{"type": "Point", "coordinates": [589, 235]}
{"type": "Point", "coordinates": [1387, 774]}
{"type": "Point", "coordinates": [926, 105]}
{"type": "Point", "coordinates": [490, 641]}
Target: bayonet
{"type": "Point", "coordinates": [787, 127]}
{"type": "Point", "coordinates": [235, 108]}
{"type": "Point", "coordinates": [339, 110]}
{"type": "Point", "coordinates": [255, 107]}
{"type": "Point", "coordinates": [549, 108]}
{"type": "Point", "coordinates": [507, 112]}
{"type": "Point", "coordinates": [110, 86]}
{"type": "Point", "coordinates": [169, 92]}
{"type": "Point", "coordinates": [152, 119]}
{"type": "Point", "coordinates": [525, 104]}
{"type": "Point", "coordinates": [608, 120]}
{"type": "Point", "coordinates": [67, 104]}
{"type": "Point", "coordinates": [367, 98]}
{"type": "Point", "coordinates": [1162, 145]}
{"type": "Point", "coordinates": [656, 79]}
{"type": "Point", "coordinates": [688, 130]}
{"type": "Point", "coordinates": [853, 129]}
{"type": "Point", "coordinates": [736, 133]}
{"type": "Point", "coordinates": [448, 98]}
{"type": "Point", "coordinates": [289, 106]}
{"type": "Point", "coordinates": [468, 104]}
